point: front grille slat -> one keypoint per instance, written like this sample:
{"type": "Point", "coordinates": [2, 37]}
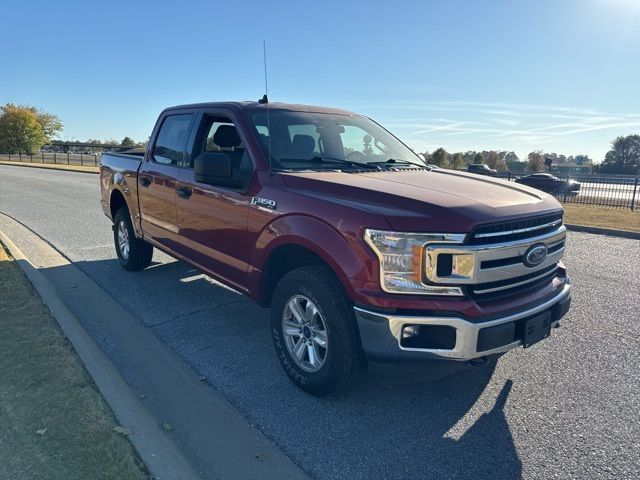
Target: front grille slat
{"type": "Point", "coordinates": [491, 291]}
{"type": "Point", "coordinates": [515, 230]}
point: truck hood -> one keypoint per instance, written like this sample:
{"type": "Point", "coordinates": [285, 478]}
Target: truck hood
{"type": "Point", "coordinates": [422, 200]}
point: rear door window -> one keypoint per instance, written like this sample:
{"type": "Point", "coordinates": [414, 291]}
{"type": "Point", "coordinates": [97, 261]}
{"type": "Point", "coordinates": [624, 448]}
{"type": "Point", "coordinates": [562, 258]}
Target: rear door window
{"type": "Point", "coordinates": [172, 139]}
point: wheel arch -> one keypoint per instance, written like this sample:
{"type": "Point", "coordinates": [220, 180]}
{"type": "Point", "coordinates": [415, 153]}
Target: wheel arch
{"type": "Point", "coordinates": [296, 241]}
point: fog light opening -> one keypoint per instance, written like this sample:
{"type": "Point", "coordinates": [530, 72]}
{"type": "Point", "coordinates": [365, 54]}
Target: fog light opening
{"type": "Point", "coordinates": [410, 331]}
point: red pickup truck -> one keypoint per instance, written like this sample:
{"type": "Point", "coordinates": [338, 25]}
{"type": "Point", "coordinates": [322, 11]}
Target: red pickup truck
{"type": "Point", "coordinates": [362, 251]}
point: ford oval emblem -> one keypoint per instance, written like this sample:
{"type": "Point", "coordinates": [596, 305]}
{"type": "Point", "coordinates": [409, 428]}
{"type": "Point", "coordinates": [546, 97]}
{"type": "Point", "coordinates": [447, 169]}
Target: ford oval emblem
{"type": "Point", "coordinates": [535, 255]}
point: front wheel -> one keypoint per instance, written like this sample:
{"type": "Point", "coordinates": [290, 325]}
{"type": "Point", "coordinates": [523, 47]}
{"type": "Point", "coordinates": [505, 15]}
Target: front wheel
{"type": "Point", "coordinates": [133, 253]}
{"type": "Point", "coordinates": [314, 331]}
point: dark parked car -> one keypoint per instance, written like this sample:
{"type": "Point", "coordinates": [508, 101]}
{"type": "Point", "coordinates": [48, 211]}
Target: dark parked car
{"type": "Point", "coordinates": [550, 184]}
{"type": "Point", "coordinates": [481, 169]}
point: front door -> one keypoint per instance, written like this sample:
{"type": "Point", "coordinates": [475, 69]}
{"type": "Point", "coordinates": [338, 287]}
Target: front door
{"type": "Point", "coordinates": [212, 220]}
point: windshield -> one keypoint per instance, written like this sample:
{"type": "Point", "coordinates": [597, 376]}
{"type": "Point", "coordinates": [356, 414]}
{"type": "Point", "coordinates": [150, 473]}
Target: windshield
{"type": "Point", "coordinates": [303, 140]}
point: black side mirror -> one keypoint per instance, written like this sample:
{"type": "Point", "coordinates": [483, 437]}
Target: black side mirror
{"type": "Point", "coordinates": [214, 168]}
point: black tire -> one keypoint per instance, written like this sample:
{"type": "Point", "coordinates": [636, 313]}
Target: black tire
{"type": "Point", "coordinates": [139, 253]}
{"type": "Point", "coordinates": [344, 358]}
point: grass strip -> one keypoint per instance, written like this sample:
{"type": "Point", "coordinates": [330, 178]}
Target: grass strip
{"type": "Point", "coordinates": [619, 219]}
{"type": "Point", "coordinates": [54, 424]}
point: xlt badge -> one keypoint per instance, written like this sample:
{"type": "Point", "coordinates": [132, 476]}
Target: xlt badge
{"type": "Point", "coordinates": [264, 203]}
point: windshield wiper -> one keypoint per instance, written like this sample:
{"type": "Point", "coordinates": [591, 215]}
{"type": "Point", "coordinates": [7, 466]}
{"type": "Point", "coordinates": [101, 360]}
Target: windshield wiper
{"type": "Point", "coordinates": [319, 159]}
{"type": "Point", "coordinates": [407, 162]}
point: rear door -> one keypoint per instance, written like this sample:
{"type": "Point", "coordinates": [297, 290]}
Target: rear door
{"type": "Point", "coordinates": [158, 178]}
{"type": "Point", "coordinates": [212, 219]}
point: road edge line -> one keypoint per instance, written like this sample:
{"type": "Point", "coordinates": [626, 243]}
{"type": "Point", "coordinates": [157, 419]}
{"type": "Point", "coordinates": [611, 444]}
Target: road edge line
{"type": "Point", "coordinates": [612, 232]}
{"type": "Point", "coordinates": [157, 452]}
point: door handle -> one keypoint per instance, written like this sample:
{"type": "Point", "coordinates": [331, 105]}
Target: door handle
{"type": "Point", "coordinates": [145, 181]}
{"type": "Point", "coordinates": [184, 192]}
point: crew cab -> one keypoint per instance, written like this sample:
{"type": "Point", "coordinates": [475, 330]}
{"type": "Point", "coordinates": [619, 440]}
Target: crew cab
{"type": "Point", "coordinates": [363, 252]}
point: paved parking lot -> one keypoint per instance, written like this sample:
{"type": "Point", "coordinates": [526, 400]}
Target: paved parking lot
{"type": "Point", "coordinates": [566, 408]}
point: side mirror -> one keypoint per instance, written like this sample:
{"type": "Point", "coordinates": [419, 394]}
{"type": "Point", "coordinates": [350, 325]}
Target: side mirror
{"type": "Point", "coordinates": [213, 168]}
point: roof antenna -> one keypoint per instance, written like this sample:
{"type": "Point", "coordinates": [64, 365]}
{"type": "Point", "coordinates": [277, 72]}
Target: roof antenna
{"type": "Point", "coordinates": [265, 100]}
{"type": "Point", "coordinates": [265, 97]}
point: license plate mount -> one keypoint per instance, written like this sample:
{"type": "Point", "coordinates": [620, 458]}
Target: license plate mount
{"type": "Point", "coordinates": [536, 328]}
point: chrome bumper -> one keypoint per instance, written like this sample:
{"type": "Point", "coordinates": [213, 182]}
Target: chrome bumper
{"type": "Point", "coordinates": [381, 333]}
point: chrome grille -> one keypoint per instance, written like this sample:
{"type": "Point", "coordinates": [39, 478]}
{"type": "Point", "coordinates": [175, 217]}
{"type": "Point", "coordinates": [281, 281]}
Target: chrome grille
{"type": "Point", "coordinates": [492, 264]}
{"type": "Point", "coordinates": [515, 230]}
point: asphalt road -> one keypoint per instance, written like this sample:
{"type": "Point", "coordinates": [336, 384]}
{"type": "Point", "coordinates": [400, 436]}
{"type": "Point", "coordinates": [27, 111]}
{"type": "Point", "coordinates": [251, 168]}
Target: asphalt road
{"type": "Point", "coordinates": [566, 408]}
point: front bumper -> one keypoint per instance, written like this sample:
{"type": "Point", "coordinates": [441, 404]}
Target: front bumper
{"type": "Point", "coordinates": [381, 333]}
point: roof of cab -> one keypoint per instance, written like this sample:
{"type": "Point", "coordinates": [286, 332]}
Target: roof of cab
{"type": "Point", "coordinates": [247, 105]}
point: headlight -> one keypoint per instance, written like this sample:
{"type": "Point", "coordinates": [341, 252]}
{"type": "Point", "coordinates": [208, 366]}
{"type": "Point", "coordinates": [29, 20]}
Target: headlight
{"type": "Point", "coordinates": [401, 261]}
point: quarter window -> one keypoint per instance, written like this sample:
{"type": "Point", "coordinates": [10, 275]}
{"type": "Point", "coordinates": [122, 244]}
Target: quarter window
{"type": "Point", "coordinates": [172, 139]}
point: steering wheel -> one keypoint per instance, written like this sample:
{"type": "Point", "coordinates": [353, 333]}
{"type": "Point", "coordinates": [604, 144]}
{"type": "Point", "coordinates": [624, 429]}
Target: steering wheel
{"type": "Point", "coordinates": [356, 156]}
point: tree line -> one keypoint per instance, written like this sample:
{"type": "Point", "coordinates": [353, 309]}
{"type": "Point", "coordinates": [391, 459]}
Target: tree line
{"type": "Point", "coordinates": [623, 158]}
{"type": "Point", "coordinates": [25, 129]}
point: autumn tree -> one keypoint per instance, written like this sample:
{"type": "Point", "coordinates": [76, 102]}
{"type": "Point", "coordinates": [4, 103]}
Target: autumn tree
{"type": "Point", "coordinates": [457, 161]}
{"type": "Point", "coordinates": [624, 156]}
{"type": "Point", "coordinates": [535, 161]}
{"type": "Point", "coordinates": [439, 157]}
{"type": "Point", "coordinates": [128, 141]}
{"type": "Point", "coordinates": [25, 129]}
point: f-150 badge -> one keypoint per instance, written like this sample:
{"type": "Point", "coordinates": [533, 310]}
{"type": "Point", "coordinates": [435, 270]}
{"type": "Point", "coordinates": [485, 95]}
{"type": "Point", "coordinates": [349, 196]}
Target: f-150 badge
{"type": "Point", "coordinates": [264, 203]}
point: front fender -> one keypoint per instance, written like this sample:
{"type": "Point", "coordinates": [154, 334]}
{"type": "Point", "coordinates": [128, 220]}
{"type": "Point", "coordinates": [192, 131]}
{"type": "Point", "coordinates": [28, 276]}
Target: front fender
{"type": "Point", "coordinates": [345, 253]}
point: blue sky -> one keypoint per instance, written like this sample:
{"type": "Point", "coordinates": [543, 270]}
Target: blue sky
{"type": "Point", "coordinates": [557, 75]}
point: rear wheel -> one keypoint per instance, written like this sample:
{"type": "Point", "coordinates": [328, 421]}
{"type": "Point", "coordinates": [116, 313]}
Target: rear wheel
{"type": "Point", "coordinates": [133, 253]}
{"type": "Point", "coordinates": [314, 331]}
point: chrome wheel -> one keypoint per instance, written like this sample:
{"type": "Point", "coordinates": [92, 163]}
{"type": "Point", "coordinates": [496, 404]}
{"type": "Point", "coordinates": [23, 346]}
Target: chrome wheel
{"type": "Point", "coordinates": [305, 333]}
{"type": "Point", "coordinates": [123, 240]}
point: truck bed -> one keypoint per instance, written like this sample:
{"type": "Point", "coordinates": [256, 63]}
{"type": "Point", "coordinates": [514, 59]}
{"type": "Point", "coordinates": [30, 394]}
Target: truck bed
{"type": "Point", "coordinates": [122, 168]}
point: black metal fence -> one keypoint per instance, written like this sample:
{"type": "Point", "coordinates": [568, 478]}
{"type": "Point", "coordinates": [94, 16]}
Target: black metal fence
{"type": "Point", "coordinates": [614, 191]}
{"type": "Point", "coordinates": [57, 158]}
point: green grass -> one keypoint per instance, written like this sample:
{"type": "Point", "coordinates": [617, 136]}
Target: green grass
{"type": "Point", "coordinates": [591, 215]}
{"type": "Point", "coordinates": [54, 424]}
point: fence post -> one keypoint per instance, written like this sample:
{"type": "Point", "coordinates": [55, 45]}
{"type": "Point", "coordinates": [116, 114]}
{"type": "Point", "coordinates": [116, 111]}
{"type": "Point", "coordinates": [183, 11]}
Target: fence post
{"type": "Point", "coordinates": [81, 160]}
{"type": "Point", "coordinates": [31, 157]}
{"type": "Point", "coordinates": [95, 159]}
{"type": "Point", "coordinates": [42, 156]}
{"type": "Point", "coordinates": [67, 158]}
{"type": "Point", "coordinates": [633, 198]}
{"type": "Point", "coordinates": [20, 156]}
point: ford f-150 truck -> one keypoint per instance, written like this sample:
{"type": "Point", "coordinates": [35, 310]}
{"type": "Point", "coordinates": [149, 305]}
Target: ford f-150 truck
{"type": "Point", "coordinates": [362, 251]}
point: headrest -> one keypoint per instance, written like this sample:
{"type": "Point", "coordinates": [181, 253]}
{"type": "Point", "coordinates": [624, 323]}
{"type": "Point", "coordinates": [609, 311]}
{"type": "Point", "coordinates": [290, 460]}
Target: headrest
{"type": "Point", "coordinates": [181, 136]}
{"type": "Point", "coordinates": [226, 136]}
{"type": "Point", "coordinates": [303, 143]}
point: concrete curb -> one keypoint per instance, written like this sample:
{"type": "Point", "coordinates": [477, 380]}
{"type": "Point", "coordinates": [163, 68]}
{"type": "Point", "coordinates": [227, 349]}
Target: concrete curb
{"type": "Point", "coordinates": [612, 232]}
{"type": "Point", "coordinates": [45, 166]}
{"type": "Point", "coordinates": [154, 448]}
